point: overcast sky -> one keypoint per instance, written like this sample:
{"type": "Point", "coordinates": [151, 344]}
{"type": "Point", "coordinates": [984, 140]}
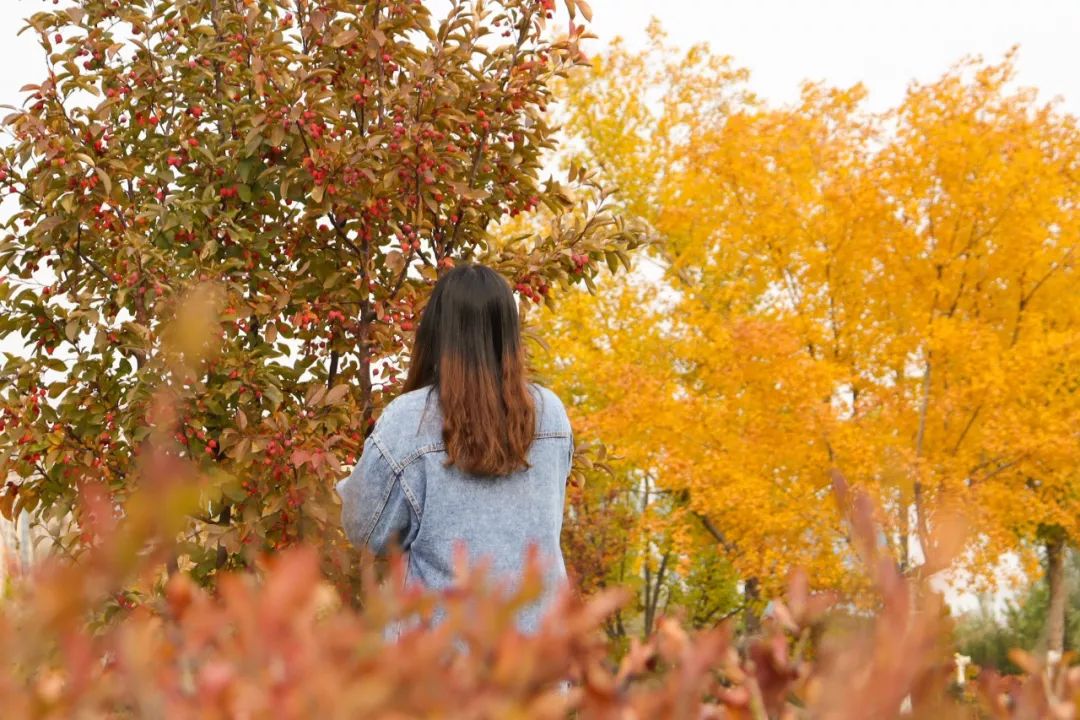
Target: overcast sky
{"type": "Point", "coordinates": [882, 43]}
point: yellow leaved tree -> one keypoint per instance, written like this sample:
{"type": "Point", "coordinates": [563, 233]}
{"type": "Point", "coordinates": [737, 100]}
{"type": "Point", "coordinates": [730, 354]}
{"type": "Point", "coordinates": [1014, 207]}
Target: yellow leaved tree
{"type": "Point", "coordinates": [892, 295]}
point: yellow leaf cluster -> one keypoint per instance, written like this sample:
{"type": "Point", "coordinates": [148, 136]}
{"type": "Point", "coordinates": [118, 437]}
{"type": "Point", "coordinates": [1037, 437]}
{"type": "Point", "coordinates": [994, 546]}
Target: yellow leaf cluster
{"type": "Point", "coordinates": [893, 295]}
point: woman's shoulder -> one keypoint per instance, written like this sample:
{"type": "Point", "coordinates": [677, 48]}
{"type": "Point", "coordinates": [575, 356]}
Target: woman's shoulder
{"type": "Point", "coordinates": [415, 416]}
{"type": "Point", "coordinates": [551, 414]}
{"type": "Point", "coordinates": [409, 403]}
{"type": "Point", "coordinates": [407, 419]}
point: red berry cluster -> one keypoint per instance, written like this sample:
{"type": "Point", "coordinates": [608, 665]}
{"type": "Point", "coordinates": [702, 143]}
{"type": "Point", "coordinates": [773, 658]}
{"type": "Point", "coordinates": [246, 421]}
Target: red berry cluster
{"type": "Point", "coordinates": [533, 287]}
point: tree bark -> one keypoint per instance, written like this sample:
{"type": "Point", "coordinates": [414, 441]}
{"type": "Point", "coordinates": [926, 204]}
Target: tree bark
{"type": "Point", "coordinates": [652, 594]}
{"type": "Point", "coordinates": [751, 595]}
{"type": "Point", "coordinates": [1056, 583]}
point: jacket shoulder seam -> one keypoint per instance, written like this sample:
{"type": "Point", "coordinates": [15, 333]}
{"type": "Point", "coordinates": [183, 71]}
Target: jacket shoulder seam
{"type": "Point", "coordinates": [413, 502]}
{"type": "Point", "coordinates": [546, 434]}
{"type": "Point", "coordinates": [385, 452]}
{"type": "Point", "coordinates": [382, 505]}
{"type": "Point", "coordinates": [421, 451]}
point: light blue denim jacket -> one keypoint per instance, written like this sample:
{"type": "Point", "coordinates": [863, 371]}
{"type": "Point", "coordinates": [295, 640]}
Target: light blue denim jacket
{"type": "Point", "coordinates": [402, 493]}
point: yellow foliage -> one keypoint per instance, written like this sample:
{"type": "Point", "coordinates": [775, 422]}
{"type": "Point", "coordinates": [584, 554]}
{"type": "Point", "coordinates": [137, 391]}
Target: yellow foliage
{"type": "Point", "coordinates": [893, 295]}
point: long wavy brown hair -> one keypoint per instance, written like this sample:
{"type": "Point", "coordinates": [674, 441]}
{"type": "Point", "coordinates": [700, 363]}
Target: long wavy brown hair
{"type": "Point", "coordinates": [468, 349]}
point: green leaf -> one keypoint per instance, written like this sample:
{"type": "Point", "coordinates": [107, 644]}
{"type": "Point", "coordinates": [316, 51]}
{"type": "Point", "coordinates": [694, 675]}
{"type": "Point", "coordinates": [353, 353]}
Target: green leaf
{"type": "Point", "coordinates": [277, 134]}
{"type": "Point", "coordinates": [273, 394]}
{"type": "Point", "coordinates": [253, 140]}
{"type": "Point", "coordinates": [244, 169]}
{"type": "Point", "coordinates": [612, 261]}
{"type": "Point", "coordinates": [232, 490]}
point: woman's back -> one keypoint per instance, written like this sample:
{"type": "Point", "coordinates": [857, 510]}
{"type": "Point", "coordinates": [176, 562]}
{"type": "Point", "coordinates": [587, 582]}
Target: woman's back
{"type": "Point", "coordinates": [404, 493]}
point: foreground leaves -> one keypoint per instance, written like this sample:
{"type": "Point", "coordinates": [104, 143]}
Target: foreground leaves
{"type": "Point", "coordinates": [280, 643]}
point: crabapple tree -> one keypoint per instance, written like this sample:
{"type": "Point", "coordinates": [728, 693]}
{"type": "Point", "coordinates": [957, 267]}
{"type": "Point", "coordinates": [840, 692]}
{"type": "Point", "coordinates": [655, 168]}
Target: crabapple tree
{"type": "Point", "coordinates": [304, 169]}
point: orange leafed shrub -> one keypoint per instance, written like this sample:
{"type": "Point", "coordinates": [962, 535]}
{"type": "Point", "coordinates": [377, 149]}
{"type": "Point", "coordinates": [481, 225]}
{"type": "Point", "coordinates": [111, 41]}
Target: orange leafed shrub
{"type": "Point", "coordinates": [279, 642]}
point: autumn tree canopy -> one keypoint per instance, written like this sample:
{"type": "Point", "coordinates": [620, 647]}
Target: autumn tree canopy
{"type": "Point", "coordinates": [890, 294]}
{"type": "Point", "coordinates": [309, 167]}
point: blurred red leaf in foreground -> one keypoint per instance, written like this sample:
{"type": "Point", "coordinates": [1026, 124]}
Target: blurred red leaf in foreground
{"type": "Point", "coordinates": [116, 635]}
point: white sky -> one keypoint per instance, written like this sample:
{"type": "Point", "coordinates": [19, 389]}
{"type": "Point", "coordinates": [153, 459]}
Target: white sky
{"type": "Point", "coordinates": [882, 43]}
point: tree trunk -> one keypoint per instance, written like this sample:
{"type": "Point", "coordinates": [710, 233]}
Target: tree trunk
{"type": "Point", "coordinates": [1056, 583]}
{"type": "Point", "coordinates": [751, 595]}
{"type": "Point", "coordinates": [653, 586]}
